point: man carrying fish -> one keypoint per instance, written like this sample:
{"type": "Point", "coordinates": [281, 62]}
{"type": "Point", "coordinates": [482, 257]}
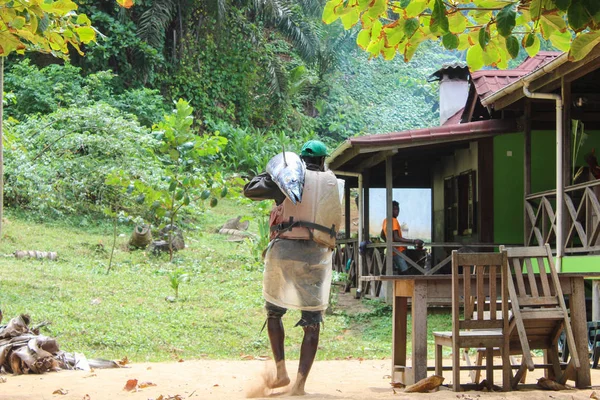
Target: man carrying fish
{"type": "Point", "coordinates": [304, 223]}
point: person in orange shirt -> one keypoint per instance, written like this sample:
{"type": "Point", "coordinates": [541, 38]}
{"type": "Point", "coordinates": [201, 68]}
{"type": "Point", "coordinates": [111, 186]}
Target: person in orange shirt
{"type": "Point", "coordinates": [400, 265]}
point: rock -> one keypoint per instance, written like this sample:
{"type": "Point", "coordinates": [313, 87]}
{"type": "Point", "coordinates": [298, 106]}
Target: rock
{"type": "Point", "coordinates": [176, 236]}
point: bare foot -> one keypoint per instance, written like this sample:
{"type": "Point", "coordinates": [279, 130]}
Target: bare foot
{"type": "Point", "coordinates": [297, 391]}
{"type": "Point", "coordinates": [277, 382]}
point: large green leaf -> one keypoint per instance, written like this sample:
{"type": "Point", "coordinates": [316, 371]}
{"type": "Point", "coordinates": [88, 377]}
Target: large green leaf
{"type": "Point", "coordinates": [350, 18]}
{"type": "Point", "coordinates": [439, 19]}
{"type": "Point", "coordinates": [578, 16]}
{"type": "Point", "coordinates": [411, 26]}
{"type": "Point", "coordinates": [535, 9]}
{"type": "Point", "coordinates": [415, 8]}
{"type": "Point", "coordinates": [450, 41]}
{"type": "Point", "coordinates": [329, 14]}
{"type": "Point", "coordinates": [506, 20]}
{"type": "Point", "coordinates": [363, 38]}
{"type": "Point", "coordinates": [512, 46]}
{"type": "Point", "coordinates": [457, 23]}
{"type": "Point", "coordinates": [562, 41]}
{"type": "Point", "coordinates": [395, 34]}
{"type": "Point", "coordinates": [534, 48]}
{"type": "Point", "coordinates": [484, 36]}
{"type": "Point", "coordinates": [583, 44]}
{"type": "Point", "coordinates": [562, 5]}
{"type": "Point", "coordinates": [475, 58]}
{"type": "Point", "coordinates": [378, 7]}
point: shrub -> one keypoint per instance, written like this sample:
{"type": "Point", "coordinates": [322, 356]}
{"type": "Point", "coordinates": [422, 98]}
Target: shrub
{"type": "Point", "coordinates": [58, 163]}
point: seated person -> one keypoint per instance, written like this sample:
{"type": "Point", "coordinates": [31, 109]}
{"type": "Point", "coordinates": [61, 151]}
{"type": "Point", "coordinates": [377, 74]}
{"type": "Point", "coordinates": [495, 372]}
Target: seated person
{"type": "Point", "coordinates": [400, 264]}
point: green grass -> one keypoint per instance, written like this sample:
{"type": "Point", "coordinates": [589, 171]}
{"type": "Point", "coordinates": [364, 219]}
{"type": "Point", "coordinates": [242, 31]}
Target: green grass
{"type": "Point", "coordinates": [218, 315]}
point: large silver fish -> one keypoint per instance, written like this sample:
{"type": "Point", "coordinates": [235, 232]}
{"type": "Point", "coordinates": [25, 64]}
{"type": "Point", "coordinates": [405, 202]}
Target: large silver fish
{"type": "Point", "coordinates": [287, 170]}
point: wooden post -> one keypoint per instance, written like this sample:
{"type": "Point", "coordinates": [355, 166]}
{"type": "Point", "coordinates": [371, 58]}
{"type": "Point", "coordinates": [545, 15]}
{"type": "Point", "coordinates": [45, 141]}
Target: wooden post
{"type": "Point", "coordinates": [596, 300]}
{"type": "Point", "coordinates": [567, 149]}
{"type": "Point", "coordinates": [389, 261]}
{"type": "Point", "coordinates": [527, 169]}
{"type": "Point", "coordinates": [579, 324]}
{"type": "Point", "coordinates": [366, 202]}
{"type": "Point", "coordinates": [347, 202]}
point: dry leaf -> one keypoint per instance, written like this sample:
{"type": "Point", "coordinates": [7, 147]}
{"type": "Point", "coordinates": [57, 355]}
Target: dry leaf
{"type": "Point", "coordinates": [131, 385]}
{"type": "Point", "coordinates": [90, 376]}
{"type": "Point", "coordinates": [2, 380]}
{"type": "Point", "coordinates": [86, 397]}
{"type": "Point", "coordinates": [123, 361]}
{"type": "Point", "coordinates": [246, 357]}
{"type": "Point", "coordinates": [60, 391]}
{"type": "Point", "coordinates": [180, 360]}
{"type": "Point", "coordinates": [146, 384]}
{"type": "Point", "coordinates": [399, 385]}
{"type": "Point", "coordinates": [595, 396]}
{"type": "Point", "coordinates": [425, 385]}
{"type": "Point", "coordinates": [215, 385]}
{"type": "Point", "coordinates": [549, 384]}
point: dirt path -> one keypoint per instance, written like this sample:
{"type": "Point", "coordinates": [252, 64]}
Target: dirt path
{"type": "Point", "coordinates": [213, 379]}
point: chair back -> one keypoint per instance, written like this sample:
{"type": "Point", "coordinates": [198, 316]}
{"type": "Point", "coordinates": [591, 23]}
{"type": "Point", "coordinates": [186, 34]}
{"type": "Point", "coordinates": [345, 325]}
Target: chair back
{"type": "Point", "coordinates": [537, 301]}
{"type": "Point", "coordinates": [479, 287]}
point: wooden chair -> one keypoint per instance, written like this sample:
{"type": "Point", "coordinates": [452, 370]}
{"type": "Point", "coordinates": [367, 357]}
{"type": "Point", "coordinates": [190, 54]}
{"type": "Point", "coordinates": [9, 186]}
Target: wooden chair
{"type": "Point", "coordinates": [484, 323]}
{"type": "Point", "coordinates": [539, 314]}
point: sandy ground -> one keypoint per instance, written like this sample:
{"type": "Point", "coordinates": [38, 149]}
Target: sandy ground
{"type": "Point", "coordinates": [213, 379]}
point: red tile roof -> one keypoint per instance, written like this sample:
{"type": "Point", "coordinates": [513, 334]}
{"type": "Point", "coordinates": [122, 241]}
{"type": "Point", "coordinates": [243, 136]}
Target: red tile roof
{"type": "Point", "coordinates": [489, 81]}
{"type": "Point", "coordinates": [445, 132]}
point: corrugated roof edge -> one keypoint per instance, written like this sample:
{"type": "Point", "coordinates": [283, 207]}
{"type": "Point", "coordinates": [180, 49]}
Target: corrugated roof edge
{"type": "Point", "coordinates": [492, 126]}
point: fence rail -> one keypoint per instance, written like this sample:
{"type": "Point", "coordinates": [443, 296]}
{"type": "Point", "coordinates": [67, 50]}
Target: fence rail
{"type": "Point", "coordinates": [582, 218]}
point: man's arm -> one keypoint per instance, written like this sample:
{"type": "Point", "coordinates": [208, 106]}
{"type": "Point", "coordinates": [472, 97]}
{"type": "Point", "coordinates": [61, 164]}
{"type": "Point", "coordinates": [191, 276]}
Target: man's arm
{"type": "Point", "coordinates": [262, 187]}
{"type": "Point", "coordinates": [398, 239]}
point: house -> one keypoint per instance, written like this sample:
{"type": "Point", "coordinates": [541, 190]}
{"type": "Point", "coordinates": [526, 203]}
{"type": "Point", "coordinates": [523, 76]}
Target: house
{"type": "Point", "coordinates": [492, 165]}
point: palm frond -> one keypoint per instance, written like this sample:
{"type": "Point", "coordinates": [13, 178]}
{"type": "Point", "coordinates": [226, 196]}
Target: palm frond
{"type": "Point", "coordinates": [278, 85]}
{"type": "Point", "coordinates": [155, 21]}
{"type": "Point", "coordinates": [301, 34]}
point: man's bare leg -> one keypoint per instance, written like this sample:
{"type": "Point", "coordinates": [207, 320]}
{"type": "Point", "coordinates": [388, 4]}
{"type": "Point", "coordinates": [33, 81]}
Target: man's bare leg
{"type": "Point", "coordinates": [307, 357]}
{"type": "Point", "coordinates": [277, 337]}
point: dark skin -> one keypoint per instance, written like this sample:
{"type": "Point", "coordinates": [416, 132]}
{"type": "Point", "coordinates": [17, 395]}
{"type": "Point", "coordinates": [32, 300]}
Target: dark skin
{"type": "Point", "coordinates": [310, 342]}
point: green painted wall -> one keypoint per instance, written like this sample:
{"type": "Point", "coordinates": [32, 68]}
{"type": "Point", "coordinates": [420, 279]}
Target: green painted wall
{"type": "Point", "coordinates": [508, 189]}
{"type": "Point", "coordinates": [581, 264]}
{"type": "Point", "coordinates": [543, 161]}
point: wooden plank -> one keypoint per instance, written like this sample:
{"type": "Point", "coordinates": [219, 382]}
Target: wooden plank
{"type": "Point", "coordinates": [531, 278]}
{"type": "Point", "coordinates": [419, 331]}
{"type": "Point", "coordinates": [399, 330]}
{"type": "Point", "coordinates": [518, 272]}
{"type": "Point", "coordinates": [492, 292]}
{"type": "Point", "coordinates": [579, 323]}
{"type": "Point", "coordinates": [521, 252]}
{"type": "Point", "coordinates": [538, 301]}
{"type": "Point", "coordinates": [544, 278]}
{"type": "Point", "coordinates": [479, 274]}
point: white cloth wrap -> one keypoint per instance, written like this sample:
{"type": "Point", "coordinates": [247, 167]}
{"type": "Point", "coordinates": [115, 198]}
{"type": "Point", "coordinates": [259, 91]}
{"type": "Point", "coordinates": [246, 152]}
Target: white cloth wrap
{"type": "Point", "coordinates": [297, 274]}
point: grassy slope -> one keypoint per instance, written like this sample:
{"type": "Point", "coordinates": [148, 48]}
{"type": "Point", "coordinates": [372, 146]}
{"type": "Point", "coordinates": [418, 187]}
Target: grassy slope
{"type": "Point", "coordinates": [218, 314]}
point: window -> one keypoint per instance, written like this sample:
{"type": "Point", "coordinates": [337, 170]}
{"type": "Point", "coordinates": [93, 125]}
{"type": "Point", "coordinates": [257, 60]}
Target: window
{"type": "Point", "coordinates": [460, 196]}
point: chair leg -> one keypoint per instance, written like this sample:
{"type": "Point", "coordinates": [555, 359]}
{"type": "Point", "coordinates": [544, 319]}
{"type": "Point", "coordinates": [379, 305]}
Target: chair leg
{"type": "Point", "coordinates": [467, 359]}
{"type": "Point", "coordinates": [513, 361]}
{"type": "Point", "coordinates": [596, 355]}
{"type": "Point", "coordinates": [479, 363]}
{"type": "Point", "coordinates": [438, 359]}
{"type": "Point", "coordinates": [489, 366]}
{"type": "Point", "coordinates": [506, 369]}
{"type": "Point", "coordinates": [455, 369]}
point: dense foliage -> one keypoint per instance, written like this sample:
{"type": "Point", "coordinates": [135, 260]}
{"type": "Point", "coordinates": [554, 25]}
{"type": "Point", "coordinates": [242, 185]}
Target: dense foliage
{"type": "Point", "coordinates": [491, 30]}
{"type": "Point", "coordinates": [57, 163]}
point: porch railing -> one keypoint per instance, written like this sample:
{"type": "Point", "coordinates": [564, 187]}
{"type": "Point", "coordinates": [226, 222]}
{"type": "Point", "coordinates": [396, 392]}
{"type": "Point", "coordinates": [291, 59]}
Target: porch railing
{"type": "Point", "coordinates": [374, 261]}
{"type": "Point", "coordinates": [345, 260]}
{"type": "Point", "coordinates": [582, 218]}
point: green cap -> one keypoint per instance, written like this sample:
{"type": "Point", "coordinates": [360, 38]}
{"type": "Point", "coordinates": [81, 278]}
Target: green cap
{"type": "Point", "coordinates": [314, 148]}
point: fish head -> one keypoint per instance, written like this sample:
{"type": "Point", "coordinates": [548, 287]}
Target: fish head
{"type": "Point", "coordinates": [292, 184]}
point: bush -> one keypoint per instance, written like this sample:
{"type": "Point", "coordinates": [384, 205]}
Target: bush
{"type": "Point", "coordinates": [58, 163]}
{"type": "Point", "coordinates": [43, 91]}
